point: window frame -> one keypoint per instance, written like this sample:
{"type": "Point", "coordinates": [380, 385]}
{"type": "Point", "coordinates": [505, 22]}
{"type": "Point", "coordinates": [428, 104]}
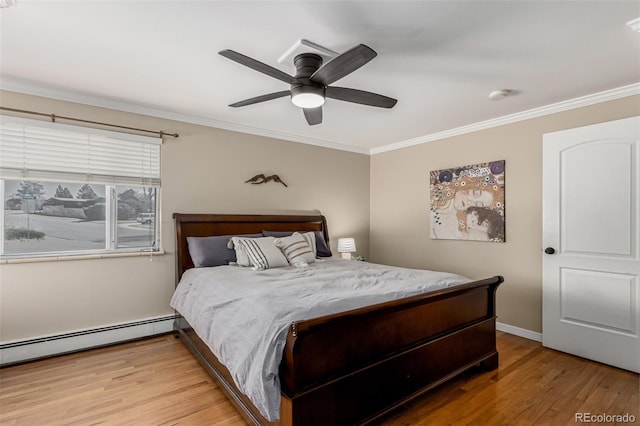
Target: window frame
{"type": "Point", "coordinates": [110, 229]}
{"type": "Point", "coordinates": [142, 146]}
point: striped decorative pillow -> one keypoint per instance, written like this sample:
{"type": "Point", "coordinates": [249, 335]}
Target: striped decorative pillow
{"type": "Point", "coordinates": [262, 253]}
{"type": "Point", "coordinates": [296, 249]}
{"type": "Point", "coordinates": [310, 236]}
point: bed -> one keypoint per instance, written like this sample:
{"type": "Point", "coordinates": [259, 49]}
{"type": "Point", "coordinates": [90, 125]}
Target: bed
{"type": "Point", "coordinates": [373, 358]}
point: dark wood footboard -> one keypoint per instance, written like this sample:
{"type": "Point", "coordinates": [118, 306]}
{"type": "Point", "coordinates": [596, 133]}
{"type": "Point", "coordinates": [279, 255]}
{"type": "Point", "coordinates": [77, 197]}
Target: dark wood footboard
{"type": "Point", "coordinates": [354, 367]}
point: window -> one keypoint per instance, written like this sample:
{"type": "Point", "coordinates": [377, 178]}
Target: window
{"type": "Point", "coordinates": [70, 190]}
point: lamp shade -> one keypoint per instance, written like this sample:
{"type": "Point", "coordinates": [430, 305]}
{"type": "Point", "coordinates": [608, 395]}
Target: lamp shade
{"type": "Point", "coordinates": [346, 245]}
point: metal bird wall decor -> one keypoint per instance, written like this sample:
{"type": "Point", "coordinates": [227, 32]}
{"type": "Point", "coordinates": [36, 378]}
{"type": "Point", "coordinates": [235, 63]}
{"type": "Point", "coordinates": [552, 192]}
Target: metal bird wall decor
{"type": "Point", "coordinates": [261, 178]}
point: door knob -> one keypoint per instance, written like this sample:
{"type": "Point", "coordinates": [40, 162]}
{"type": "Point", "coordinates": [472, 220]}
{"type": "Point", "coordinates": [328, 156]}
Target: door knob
{"type": "Point", "coordinates": [549, 250]}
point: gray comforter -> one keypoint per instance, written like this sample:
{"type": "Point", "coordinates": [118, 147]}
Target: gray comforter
{"type": "Point", "coordinates": [243, 315]}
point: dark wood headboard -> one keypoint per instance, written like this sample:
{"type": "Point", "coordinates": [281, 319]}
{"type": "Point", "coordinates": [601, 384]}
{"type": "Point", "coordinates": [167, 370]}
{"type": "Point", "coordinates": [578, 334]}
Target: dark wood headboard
{"type": "Point", "coordinates": [204, 225]}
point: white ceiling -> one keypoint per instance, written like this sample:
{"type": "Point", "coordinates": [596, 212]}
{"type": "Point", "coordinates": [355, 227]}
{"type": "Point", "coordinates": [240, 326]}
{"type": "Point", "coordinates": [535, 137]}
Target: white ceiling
{"type": "Point", "coordinates": [440, 59]}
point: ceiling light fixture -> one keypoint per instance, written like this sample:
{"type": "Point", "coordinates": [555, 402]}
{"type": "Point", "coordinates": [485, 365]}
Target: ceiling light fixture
{"type": "Point", "coordinates": [498, 95]}
{"type": "Point", "coordinates": [634, 24]}
{"type": "Point", "coordinates": [307, 100]}
{"type": "Point", "coordinates": [307, 96]}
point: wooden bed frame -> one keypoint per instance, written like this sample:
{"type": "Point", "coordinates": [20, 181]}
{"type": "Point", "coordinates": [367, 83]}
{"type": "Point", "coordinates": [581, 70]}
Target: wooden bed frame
{"type": "Point", "coordinates": [356, 366]}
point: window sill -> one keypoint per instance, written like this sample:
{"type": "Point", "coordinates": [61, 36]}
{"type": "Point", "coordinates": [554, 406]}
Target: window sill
{"type": "Point", "coordinates": [5, 261]}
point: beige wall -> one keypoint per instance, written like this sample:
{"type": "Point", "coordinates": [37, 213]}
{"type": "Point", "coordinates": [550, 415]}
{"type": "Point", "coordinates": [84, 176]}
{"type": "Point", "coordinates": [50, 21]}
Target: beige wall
{"type": "Point", "coordinates": [380, 200]}
{"type": "Point", "coordinates": [400, 216]}
{"type": "Point", "coordinates": [202, 171]}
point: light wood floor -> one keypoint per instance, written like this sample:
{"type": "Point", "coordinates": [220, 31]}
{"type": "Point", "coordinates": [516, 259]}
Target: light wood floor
{"type": "Point", "coordinates": [157, 382]}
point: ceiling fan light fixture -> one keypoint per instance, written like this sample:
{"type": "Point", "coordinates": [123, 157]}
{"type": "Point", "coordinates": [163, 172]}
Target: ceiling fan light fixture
{"type": "Point", "coordinates": [307, 100]}
{"type": "Point", "coordinates": [307, 96]}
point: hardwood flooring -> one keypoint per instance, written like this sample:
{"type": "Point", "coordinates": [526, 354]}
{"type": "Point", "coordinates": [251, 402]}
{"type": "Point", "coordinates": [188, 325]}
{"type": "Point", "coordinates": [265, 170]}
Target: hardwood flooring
{"type": "Point", "coordinates": [157, 382]}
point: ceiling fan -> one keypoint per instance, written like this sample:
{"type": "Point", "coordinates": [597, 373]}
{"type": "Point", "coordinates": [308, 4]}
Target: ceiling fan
{"type": "Point", "coordinates": [311, 84]}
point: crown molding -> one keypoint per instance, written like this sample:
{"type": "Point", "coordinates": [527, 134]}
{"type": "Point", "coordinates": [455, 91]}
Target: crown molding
{"type": "Point", "coordinates": [20, 86]}
{"type": "Point", "coordinates": [28, 88]}
{"type": "Point", "coordinates": [608, 95]}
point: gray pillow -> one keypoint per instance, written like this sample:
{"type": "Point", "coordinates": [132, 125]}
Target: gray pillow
{"type": "Point", "coordinates": [322, 249]}
{"type": "Point", "coordinates": [213, 251]}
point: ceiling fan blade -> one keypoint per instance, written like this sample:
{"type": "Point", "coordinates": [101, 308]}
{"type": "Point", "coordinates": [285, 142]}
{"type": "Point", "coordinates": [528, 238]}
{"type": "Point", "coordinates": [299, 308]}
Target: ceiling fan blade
{"type": "Point", "coordinates": [343, 64]}
{"type": "Point", "coordinates": [360, 97]}
{"type": "Point", "coordinates": [313, 115]}
{"type": "Point", "coordinates": [258, 66]}
{"type": "Point", "coordinates": [261, 98]}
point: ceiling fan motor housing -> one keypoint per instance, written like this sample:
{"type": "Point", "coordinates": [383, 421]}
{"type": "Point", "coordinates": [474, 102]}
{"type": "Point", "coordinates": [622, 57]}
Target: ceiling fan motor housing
{"type": "Point", "coordinates": [311, 88]}
{"type": "Point", "coordinates": [307, 64]}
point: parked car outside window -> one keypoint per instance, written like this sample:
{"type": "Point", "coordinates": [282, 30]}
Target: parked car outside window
{"type": "Point", "coordinates": [146, 218]}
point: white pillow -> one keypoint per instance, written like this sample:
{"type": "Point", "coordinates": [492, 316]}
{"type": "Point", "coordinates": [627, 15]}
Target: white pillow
{"type": "Point", "coordinates": [260, 253]}
{"type": "Point", "coordinates": [296, 249]}
{"type": "Point", "coordinates": [242, 259]}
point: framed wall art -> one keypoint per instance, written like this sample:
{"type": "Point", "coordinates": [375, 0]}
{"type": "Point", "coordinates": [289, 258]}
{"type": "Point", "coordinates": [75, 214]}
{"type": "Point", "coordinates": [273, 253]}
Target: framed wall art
{"type": "Point", "coordinates": [468, 203]}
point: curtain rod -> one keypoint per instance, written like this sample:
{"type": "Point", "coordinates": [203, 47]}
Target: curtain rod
{"type": "Point", "coordinates": [53, 118]}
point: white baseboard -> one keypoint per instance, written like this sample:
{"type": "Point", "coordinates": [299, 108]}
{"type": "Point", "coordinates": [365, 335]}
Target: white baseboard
{"type": "Point", "coordinates": [31, 349]}
{"type": "Point", "coordinates": [517, 331]}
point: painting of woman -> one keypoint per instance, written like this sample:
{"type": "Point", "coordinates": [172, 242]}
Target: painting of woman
{"type": "Point", "coordinates": [467, 203]}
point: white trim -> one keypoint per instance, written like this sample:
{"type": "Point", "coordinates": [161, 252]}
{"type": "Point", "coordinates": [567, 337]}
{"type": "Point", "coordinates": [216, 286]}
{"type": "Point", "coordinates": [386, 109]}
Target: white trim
{"type": "Point", "coordinates": [25, 350]}
{"type": "Point", "coordinates": [517, 331]}
{"type": "Point", "coordinates": [30, 258]}
{"type": "Point", "coordinates": [608, 95]}
{"type": "Point", "coordinates": [21, 86]}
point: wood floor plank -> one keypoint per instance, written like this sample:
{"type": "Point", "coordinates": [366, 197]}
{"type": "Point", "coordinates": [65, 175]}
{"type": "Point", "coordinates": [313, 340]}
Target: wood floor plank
{"type": "Point", "coordinates": [157, 382]}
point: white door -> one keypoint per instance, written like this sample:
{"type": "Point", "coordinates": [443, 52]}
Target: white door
{"type": "Point", "coordinates": [591, 242]}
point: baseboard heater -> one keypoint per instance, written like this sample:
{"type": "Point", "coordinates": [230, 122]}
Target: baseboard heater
{"type": "Point", "coordinates": [59, 344]}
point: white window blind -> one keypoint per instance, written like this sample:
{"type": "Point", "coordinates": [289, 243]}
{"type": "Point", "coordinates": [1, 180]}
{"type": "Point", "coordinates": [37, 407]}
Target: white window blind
{"type": "Point", "coordinates": [39, 150]}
